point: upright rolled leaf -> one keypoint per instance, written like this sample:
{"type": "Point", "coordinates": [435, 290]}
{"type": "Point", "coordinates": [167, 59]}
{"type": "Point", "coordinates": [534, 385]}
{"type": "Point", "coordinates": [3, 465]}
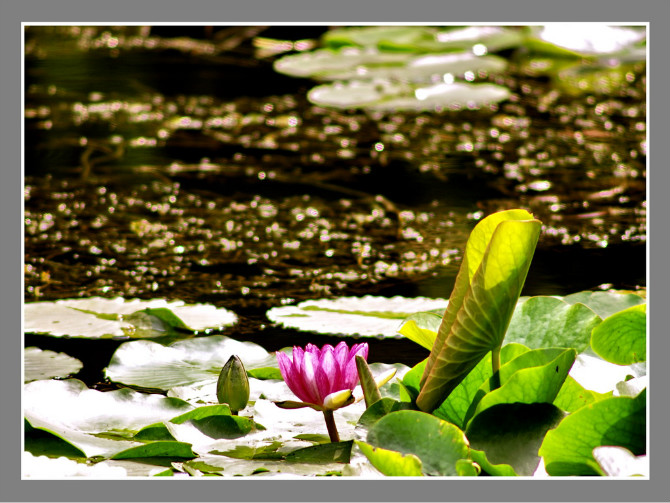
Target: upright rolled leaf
{"type": "Point", "coordinates": [495, 264]}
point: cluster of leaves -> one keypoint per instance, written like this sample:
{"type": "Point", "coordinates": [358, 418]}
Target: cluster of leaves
{"type": "Point", "coordinates": [396, 67]}
{"type": "Point", "coordinates": [482, 405]}
{"type": "Point", "coordinates": [530, 406]}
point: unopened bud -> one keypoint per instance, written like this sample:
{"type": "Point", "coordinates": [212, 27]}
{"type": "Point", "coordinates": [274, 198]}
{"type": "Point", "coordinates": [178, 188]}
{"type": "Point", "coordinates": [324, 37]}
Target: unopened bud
{"type": "Point", "coordinates": [233, 385]}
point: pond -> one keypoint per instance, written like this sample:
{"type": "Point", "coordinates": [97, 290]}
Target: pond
{"type": "Point", "coordinates": [178, 163]}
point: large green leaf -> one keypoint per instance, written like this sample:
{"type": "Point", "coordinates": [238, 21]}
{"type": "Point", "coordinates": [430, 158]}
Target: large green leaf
{"type": "Point", "coordinates": [546, 322]}
{"type": "Point", "coordinates": [622, 337]}
{"type": "Point", "coordinates": [495, 264]}
{"type": "Point", "coordinates": [438, 444]}
{"type": "Point", "coordinates": [616, 421]}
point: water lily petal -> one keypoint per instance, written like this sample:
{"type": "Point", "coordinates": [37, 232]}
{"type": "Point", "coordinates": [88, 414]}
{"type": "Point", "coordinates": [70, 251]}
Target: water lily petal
{"type": "Point", "coordinates": [291, 375]}
{"type": "Point", "coordinates": [328, 375]}
{"type": "Point", "coordinates": [350, 372]}
{"type": "Point", "coordinates": [310, 365]}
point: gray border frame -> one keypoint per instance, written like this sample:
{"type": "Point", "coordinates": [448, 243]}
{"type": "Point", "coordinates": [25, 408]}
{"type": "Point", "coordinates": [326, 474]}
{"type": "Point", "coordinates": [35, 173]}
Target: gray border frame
{"type": "Point", "coordinates": [12, 14]}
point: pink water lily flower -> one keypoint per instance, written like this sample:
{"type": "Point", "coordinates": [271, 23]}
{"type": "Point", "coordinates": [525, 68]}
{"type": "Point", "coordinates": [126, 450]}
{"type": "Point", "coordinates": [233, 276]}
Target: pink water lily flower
{"type": "Point", "coordinates": [322, 378]}
{"type": "Point", "coordinates": [319, 376]}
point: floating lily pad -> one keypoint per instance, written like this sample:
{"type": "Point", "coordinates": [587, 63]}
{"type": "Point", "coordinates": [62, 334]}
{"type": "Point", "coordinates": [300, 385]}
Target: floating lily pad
{"type": "Point", "coordinates": [97, 423]}
{"type": "Point", "coordinates": [438, 444]}
{"type": "Point", "coordinates": [622, 337]}
{"type": "Point", "coordinates": [44, 364]}
{"type": "Point", "coordinates": [97, 317]}
{"type": "Point", "coordinates": [372, 36]}
{"type": "Point", "coordinates": [605, 304]}
{"type": "Point", "coordinates": [544, 322]}
{"type": "Point", "coordinates": [387, 95]}
{"type": "Point", "coordinates": [618, 421]}
{"type": "Point", "coordinates": [359, 64]}
{"type": "Point", "coordinates": [366, 316]}
{"type": "Point", "coordinates": [182, 363]}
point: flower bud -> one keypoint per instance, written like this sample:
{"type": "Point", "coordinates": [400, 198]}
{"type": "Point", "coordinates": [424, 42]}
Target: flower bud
{"type": "Point", "coordinates": [233, 385]}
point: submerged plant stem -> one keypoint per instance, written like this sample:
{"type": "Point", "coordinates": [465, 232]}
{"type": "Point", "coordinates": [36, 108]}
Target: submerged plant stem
{"type": "Point", "coordinates": [330, 423]}
{"type": "Point", "coordinates": [495, 365]}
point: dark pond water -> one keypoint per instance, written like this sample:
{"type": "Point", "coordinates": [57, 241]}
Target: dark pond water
{"type": "Point", "coordinates": [174, 162]}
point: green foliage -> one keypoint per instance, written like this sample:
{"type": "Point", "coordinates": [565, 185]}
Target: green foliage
{"type": "Point", "coordinates": [392, 463]}
{"type": "Point", "coordinates": [159, 449]}
{"type": "Point", "coordinates": [533, 377]}
{"type": "Point", "coordinates": [379, 409]}
{"type": "Point", "coordinates": [546, 322]}
{"type": "Point", "coordinates": [438, 444]}
{"type": "Point", "coordinates": [421, 328]}
{"type": "Point", "coordinates": [622, 337]}
{"type": "Point", "coordinates": [456, 405]}
{"type": "Point", "coordinates": [496, 261]}
{"type": "Point", "coordinates": [605, 304]}
{"type": "Point", "coordinates": [617, 421]}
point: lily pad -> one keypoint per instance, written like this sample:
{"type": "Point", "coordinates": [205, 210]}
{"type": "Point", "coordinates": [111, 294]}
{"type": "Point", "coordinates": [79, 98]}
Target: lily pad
{"type": "Point", "coordinates": [392, 463]}
{"type": "Point", "coordinates": [387, 95]}
{"type": "Point", "coordinates": [606, 303]}
{"type": "Point", "coordinates": [533, 377]}
{"type": "Point", "coordinates": [44, 364]}
{"type": "Point", "coordinates": [544, 322]}
{"type": "Point", "coordinates": [97, 423]}
{"type": "Point", "coordinates": [618, 421]}
{"type": "Point", "coordinates": [420, 39]}
{"type": "Point", "coordinates": [455, 407]}
{"type": "Point", "coordinates": [367, 316]}
{"type": "Point", "coordinates": [358, 64]}
{"type": "Point", "coordinates": [373, 36]}
{"type": "Point", "coordinates": [438, 444]}
{"type": "Point", "coordinates": [622, 337]}
{"type": "Point", "coordinates": [199, 360]}
{"type": "Point", "coordinates": [97, 317]}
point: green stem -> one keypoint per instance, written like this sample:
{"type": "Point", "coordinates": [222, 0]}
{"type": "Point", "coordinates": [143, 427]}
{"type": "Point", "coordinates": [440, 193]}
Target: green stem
{"type": "Point", "coordinates": [330, 423]}
{"type": "Point", "coordinates": [495, 365]}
